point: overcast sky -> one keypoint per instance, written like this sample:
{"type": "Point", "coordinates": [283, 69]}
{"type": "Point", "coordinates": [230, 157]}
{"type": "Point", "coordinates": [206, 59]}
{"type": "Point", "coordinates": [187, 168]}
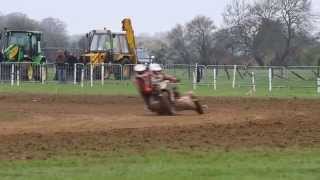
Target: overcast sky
{"type": "Point", "coordinates": [148, 16]}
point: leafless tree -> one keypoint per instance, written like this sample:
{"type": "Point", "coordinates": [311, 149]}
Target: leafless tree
{"type": "Point", "coordinates": [295, 15]}
{"type": "Point", "coordinates": [55, 33]}
{"type": "Point", "coordinates": [179, 47]}
{"type": "Point", "coordinates": [200, 32]}
{"type": "Point", "coordinates": [243, 27]}
{"type": "Point", "coordinates": [254, 25]}
{"type": "Point", "coordinates": [19, 21]}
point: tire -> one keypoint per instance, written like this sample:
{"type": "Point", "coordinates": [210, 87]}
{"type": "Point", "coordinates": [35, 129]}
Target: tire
{"type": "Point", "coordinates": [199, 108]}
{"type": "Point", "coordinates": [30, 72]}
{"type": "Point", "coordinates": [167, 108]}
{"type": "Point", "coordinates": [37, 73]}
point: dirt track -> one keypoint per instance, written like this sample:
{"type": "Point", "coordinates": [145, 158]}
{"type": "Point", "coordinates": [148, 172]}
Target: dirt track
{"type": "Point", "coordinates": [41, 126]}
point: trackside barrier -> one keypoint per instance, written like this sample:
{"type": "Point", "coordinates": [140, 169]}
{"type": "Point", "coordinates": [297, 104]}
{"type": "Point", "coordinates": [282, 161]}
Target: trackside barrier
{"type": "Point", "coordinates": [43, 74]}
{"type": "Point", "coordinates": [253, 82]}
{"type": "Point", "coordinates": [12, 74]}
{"type": "Point", "coordinates": [234, 76]}
{"type": "Point", "coordinates": [102, 75]}
{"type": "Point", "coordinates": [214, 78]}
{"type": "Point", "coordinates": [270, 79]}
{"type": "Point", "coordinates": [18, 78]}
{"type": "Point", "coordinates": [224, 76]}
{"type": "Point", "coordinates": [82, 78]}
{"type": "Point", "coordinates": [318, 84]}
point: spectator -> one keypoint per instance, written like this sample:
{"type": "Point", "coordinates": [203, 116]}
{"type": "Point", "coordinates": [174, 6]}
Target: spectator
{"type": "Point", "coordinates": [1, 57]}
{"type": "Point", "coordinates": [199, 74]}
{"type": "Point", "coordinates": [60, 65]}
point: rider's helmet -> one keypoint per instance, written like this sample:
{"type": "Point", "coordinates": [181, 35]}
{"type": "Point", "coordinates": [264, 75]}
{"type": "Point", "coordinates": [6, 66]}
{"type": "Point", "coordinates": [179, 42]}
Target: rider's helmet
{"type": "Point", "coordinates": [155, 67]}
{"type": "Point", "coordinates": [140, 68]}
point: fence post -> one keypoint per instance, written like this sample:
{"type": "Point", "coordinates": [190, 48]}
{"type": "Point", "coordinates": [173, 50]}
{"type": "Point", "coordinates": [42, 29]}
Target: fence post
{"type": "Point", "coordinates": [91, 75]}
{"type": "Point", "coordinates": [194, 81]}
{"type": "Point", "coordinates": [270, 79]}
{"type": "Point", "coordinates": [18, 77]}
{"type": "Point", "coordinates": [12, 74]}
{"type": "Point", "coordinates": [82, 77]}
{"type": "Point", "coordinates": [214, 78]}
{"type": "Point", "coordinates": [75, 74]}
{"type": "Point", "coordinates": [234, 76]}
{"type": "Point", "coordinates": [195, 77]}
{"type": "Point", "coordinates": [121, 71]}
{"type": "Point", "coordinates": [318, 83]}
{"type": "Point", "coordinates": [253, 82]}
{"type": "Point", "coordinates": [43, 74]}
{"type": "Point", "coordinates": [102, 74]}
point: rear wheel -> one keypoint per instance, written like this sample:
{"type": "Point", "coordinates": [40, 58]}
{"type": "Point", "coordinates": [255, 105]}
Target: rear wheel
{"type": "Point", "coordinates": [199, 108]}
{"type": "Point", "coordinates": [167, 108]}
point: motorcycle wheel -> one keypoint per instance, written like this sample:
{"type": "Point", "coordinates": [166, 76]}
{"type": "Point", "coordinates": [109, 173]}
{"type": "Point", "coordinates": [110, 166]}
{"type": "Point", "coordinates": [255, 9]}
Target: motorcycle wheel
{"type": "Point", "coordinates": [167, 108]}
{"type": "Point", "coordinates": [199, 108]}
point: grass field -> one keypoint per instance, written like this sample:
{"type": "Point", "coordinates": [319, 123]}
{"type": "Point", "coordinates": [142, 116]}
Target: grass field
{"type": "Point", "coordinates": [162, 165]}
{"type": "Point", "coordinates": [127, 88]}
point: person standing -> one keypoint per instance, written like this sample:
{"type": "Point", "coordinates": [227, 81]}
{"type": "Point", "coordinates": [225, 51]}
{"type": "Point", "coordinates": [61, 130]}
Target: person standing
{"type": "Point", "coordinates": [60, 65]}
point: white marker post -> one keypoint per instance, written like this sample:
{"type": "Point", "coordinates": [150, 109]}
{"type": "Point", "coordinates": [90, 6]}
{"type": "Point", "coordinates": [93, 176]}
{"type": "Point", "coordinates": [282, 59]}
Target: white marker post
{"type": "Point", "coordinates": [75, 74]}
{"type": "Point", "coordinates": [194, 82]}
{"type": "Point", "coordinates": [82, 77]}
{"type": "Point", "coordinates": [234, 76]}
{"type": "Point", "coordinates": [43, 74]}
{"type": "Point", "coordinates": [318, 83]}
{"type": "Point", "coordinates": [91, 75]}
{"type": "Point", "coordinates": [270, 79]}
{"type": "Point", "coordinates": [253, 82]}
{"type": "Point", "coordinates": [102, 74]}
{"type": "Point", "coordinates": [18, 77]}
{"type": "Point", "coordinates": [12, 74]}
{"type": "Point", "coordinates": [214, 78]}
{"type": "Point", "coordinates": [195, 74]}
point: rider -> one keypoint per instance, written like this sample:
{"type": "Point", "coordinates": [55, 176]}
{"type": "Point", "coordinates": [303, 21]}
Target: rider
{"type": "Point", "coordinates": [158, 75]}
{"type": "Point", "coordinates": [143, 82]}
{"type": "Point", "coordinates": [144, 79]}
{"type": "Point", "coordinates": [190, 101]}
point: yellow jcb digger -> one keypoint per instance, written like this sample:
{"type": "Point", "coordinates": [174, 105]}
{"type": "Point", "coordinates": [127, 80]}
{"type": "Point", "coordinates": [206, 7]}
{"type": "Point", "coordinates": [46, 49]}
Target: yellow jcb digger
{"type": "Point", "coordinates": [106, 46]}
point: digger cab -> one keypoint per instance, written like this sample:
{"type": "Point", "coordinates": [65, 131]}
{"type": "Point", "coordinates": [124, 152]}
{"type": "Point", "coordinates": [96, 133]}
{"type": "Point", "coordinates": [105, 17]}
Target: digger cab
{"type": "Point", "coordinates": [106, 46]}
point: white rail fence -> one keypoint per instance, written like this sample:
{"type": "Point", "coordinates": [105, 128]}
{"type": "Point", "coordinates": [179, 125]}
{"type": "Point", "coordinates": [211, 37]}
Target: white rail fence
{"type": "Point", "coordinates": [215, 76]}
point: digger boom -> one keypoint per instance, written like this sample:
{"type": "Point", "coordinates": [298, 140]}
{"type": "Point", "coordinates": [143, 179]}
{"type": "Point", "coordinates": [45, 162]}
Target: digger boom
{"type": "Point", "coordinates": [127, 27]}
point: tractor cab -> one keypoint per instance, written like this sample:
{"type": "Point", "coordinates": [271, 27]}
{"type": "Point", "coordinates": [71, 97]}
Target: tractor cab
{"type": "Point", "coordinates": [22, 46]}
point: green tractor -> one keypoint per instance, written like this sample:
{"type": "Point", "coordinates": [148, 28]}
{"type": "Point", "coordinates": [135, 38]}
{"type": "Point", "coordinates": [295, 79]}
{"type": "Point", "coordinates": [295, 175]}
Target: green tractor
{"type": "Point", "coordinates": [24, 49]}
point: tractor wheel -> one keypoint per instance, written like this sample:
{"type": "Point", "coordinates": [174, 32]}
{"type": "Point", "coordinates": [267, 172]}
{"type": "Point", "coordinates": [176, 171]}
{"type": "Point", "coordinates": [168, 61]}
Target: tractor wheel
{"type": "Point", "coordinates": [30, 72]}
{"type": "Point", "coordinates": [37, 73]}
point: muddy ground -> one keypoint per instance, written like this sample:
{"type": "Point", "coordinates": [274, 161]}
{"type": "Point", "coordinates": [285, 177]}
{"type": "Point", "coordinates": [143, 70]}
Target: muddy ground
{"type": "Point", "coordinates": [42, 126]}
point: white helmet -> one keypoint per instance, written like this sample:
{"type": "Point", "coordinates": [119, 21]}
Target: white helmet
{"type": "Point", "coordinates": [155, 67]}
{"type": "Point", "coordinates": [140, 68]}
